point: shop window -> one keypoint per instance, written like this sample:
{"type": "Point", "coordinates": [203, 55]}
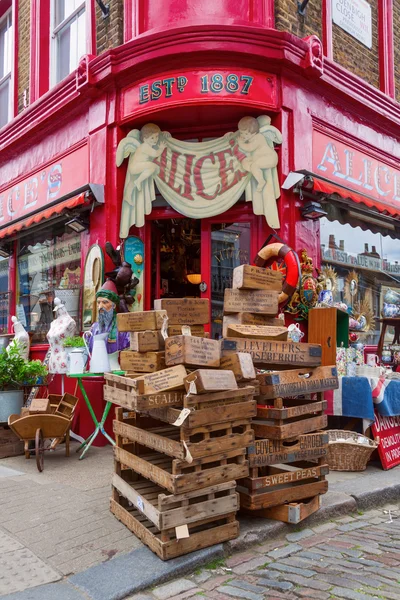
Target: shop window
{"type": "Point", "coordinates": [68, 33]}
{"type": "Point", "coordinates": [4, 295]}
{"type": "Point", "coordinates": [366, 268]}
{"type": "Point", "coordinates": [48, 266]}
{"type": "Point", "coordinates": [5, 68]}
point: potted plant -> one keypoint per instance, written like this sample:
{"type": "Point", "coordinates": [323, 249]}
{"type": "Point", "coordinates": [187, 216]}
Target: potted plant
{"type": "Point", "coordinates": [77, 356]}
{"type": "Point", "coordinates": [16, 372]}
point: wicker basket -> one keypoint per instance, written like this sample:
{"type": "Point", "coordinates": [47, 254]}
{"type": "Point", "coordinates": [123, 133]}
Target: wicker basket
{"type": "Point", "coordinates": [349, 455]}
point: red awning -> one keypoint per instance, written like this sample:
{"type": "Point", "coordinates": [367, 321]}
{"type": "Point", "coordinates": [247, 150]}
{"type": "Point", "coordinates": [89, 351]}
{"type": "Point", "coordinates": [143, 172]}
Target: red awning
{"type": "Point", "coordinates": [42, 216]}
{"type": "Point", "coordinates": [331, 188]}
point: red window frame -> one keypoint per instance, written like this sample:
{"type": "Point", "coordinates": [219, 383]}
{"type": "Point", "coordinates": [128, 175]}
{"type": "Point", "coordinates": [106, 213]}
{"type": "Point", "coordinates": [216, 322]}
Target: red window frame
{"type": "Point", "coordinates": [40, 44]}
{"type": "Point", "coordinates": [5, 6]}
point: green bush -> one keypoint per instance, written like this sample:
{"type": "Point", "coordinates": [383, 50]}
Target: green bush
{"type": "Point", "coordinates": [74, 342]}
{"type": "Point", "coordinates": [15, 371]}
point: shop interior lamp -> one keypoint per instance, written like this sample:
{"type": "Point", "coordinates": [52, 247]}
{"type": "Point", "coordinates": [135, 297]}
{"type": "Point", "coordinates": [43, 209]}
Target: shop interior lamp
{"type": "Point", "coordinates": [194, 278]}
{"type": "Point", "coordinates": [77, 225]}
{"type": "Point", "coordinates": [313, 210]}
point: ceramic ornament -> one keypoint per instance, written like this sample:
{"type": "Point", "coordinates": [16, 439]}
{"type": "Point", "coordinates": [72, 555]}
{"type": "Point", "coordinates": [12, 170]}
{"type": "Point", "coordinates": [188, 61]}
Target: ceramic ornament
{"type": "Point", "coordinates": [21, 338]}
{"type": "Point", "coordinates": [62, 327]}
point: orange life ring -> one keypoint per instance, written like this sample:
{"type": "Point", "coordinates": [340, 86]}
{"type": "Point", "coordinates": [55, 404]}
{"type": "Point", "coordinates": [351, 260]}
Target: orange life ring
{"type": "Point", "coordinates": [269, 253]}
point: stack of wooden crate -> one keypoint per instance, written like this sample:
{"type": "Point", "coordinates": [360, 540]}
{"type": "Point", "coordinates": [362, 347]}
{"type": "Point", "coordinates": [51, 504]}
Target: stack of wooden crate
{"type": "Point", "coordinates": [146, 353]}
{"type": "Point", "coordinates": [288, 440]}
{"type": "Point", "coordinates": [181, 443]}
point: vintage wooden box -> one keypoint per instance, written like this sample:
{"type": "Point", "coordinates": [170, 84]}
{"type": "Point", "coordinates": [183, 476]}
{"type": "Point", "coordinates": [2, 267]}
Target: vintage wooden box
{"type": "Point", "coordinates": [203, 381]}
{"type": "Point", "coordinates": [309, 446]}
{"type": "Point", "coordinates": [141, 321]}
{"type": "Point", "coordinates": [10, 444]}
{"type": "Point", "coordinates": [295, 382]}
{"type": "Point", "coordinates": [142, 362]}
{"type": "Point", "coordinates": [265, 352]}
{"type": "Point", "coordinates": [39, 406]}
{"type": "Point", "coordinates": [195, 330]}
{"type": "Point", "coordinates": [241, 364]}
{"type": "Point", "coordinates": [146, 341]}
{"type": "Point", "coordinates": [192, 351]}
{"type": "Point", "coordinates": [248, 277]}
{"type": "Point", "coordinates": [296, 417]}
{"type": "Point", "coordinates": [257, 332]}
{"type": "Point", "coordinates": [293, 512]}
{"type": "Point", "coordinates": [247, 318]}
{"type": "Point", "coordinates": [185, 311]}
{"type": "Point", "coordinates": [257, 301]}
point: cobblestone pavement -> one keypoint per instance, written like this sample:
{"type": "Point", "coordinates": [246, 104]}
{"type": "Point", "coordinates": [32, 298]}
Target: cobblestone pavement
{"type": "Point", "coordinates": [355, 557]}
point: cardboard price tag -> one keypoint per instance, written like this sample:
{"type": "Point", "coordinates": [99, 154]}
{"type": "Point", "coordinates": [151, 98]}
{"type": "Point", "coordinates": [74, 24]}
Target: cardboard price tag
{"type": "Point", "coordinates": [181, 532]}
{"type": "Point", "coordinates": [139, 504]}
{"type": "Point", "coordinates": [185, 412]}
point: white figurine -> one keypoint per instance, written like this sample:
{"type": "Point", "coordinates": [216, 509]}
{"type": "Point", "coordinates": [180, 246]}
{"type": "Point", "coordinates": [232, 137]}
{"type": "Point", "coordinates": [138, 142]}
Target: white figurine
{"type": "Point", "coordinates": [62, 327]}
{"type": "Point", "coordinates": [21, 338]}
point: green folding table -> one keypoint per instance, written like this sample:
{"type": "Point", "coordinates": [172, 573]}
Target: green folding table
{"type": "Point", "coordinates": [99, 425]}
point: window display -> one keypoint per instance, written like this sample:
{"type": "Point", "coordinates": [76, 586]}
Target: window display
{"type": "Point", "coordinates": [367, 268]}
{"type": "Point", "coordinates": [4, 295]}
{"type": "Point", "coordinates": [47, 266]}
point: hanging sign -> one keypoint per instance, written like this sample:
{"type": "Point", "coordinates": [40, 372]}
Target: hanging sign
{"type": "Point", "coordinates": [347, 166]}
{"type": "Point", "coordinates": [201, 179]}
{"type": "Point", "coordinates": [354, 16]}
{"type": "Point", "coordinates": [175, 88]}
{"type": "Point", "coordinates": [45, 186]}
{"type": "Point", "coordinates": [387, 429]}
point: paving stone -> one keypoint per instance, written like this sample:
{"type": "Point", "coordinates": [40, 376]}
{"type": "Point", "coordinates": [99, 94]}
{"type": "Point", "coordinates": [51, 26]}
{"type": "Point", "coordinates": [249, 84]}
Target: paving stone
{"type": "Point", "coordinates": [267, 573]}
{"type": "Point", "coordinates": [350, 594]}
{"type": "Point", "coordinates": [188, 594]}
{"type": "Point", "coordinates": [8, 544]}
{"type": "Point", "coordinates": [245, 585]}
{"type": "Point", "coordinates": [299, 535]}
{"type": "Point", "coordinates": [214, 582]}
{"type": "Point", "coordinates": [298, 561]}
{"type": "Point", "coordinates": [202, 577]}
{"type": "Point", "coordinates": [345, 520]}
{"type": "Point", "coordinates": [54, 591]}
{"type": "Point", "coordinates": [352, 552]}
{"type": "Point", "coordinates": [327, 552]}
{"type": "Point", "coordinates": [278, 585]}
{"type": "Point", "coordinates": [324, 527]}
{"type": "Point", "coordinates": [353, 526]}
{"type": "Point", "coordinates": [391, 594]}
{"type": "Point", "coordinates": [285, 551]}
{"type": "Point", "coordinates": [307, 593]}
{"type": "Point", "coordinates": [21, 569]}
{"type": "Point", "coordinates": [268, 546]}
{"type": "Point", "coordinates": [140, 597]}
{"type": "Point", "coordinates": [376, 520]}
{"type": "Point", "coordinates": [319, 539]}
{"type": "Point", "coordinates": [291, 569]}
{"type": "Point", "coordinates": [311, 583]}
{"type": "Point", "coordinates": [340, 581]}
{"type": "Point", "coordinates": [238, 559]}
{"type": "Point", "coordinates": [238, 593]}
{"type": "Point", "coordinates": [167, 591]}
{"type": "Point", "coordinates": [254, 563]}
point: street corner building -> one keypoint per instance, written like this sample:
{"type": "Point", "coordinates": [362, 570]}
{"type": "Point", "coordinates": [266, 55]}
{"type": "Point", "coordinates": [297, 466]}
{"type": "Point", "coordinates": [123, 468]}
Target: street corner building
{"type": "Point", "coordinates": [188, 133]}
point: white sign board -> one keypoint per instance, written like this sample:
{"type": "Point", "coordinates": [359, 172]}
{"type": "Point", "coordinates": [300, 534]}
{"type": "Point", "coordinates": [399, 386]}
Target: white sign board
{"type": "Point", "coordinates": [354, 16]}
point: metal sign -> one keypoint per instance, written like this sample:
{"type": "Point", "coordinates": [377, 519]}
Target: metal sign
{"type": "Point", "coordinates": [354, 16]}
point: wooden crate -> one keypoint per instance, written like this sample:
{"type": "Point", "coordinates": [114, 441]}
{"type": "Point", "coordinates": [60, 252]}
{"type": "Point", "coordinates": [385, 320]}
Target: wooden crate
{"type": "Point", "coordinates": [192, 351]}
{"type": "Point", "coordinates": [274, 477]}
{"type": "Point", "coordinates": [271, 452]}
{"type": "Point", "coordinates": [248, 277]}
{"type": "Point", "coordinates": [141, 320]}
{"type": "Point", "coordinates": [195, 330]}
{"type": "Point", "coordinates": [203, 381]}
{"type": "Point", "coordinates": [296, 382]}
{"type": "Point", "coordinates": [292, 513]}
{"type": "Point", "coordinates": [142, 362]}
{"type": "Point", "coordinates": [287, 422]}
{"type": "Point", "coordinates": [177, 476]}
{"type": "Point", "coordinates": [185, 311]}
{"type": "Point", "coordinates": [257, 332]}
{"type": "Point", "coordinates": [241, 364]}
{"type": "Point", "coordinates": [185, 443]}
{"type": "Point", "coordinates": [167, 380]}
{"type": "Point", "coordinates": [264, 302]}
{"type": "Point", "coordinates": [284, 484]}
{"type": "Point", "coordinates": [167, 511]}
{"type": "Point", "coordinates": [146, 341]}
{"type": "Point", "coordinates": [247, 318]}
{"type": "Point", "coordinates": [264, 352]}
{"type": "Point", "coordinates": [66, 405]}
{"type": "Point", "coordinates": [202, 535]}
{"type": "Point", "coordinates": [39, 406]}
{"type": "Point", "coordinates": [10, 444]}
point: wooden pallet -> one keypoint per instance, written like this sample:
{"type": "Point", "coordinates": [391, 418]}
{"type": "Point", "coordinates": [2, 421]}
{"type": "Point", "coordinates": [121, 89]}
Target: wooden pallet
{"type": "Point", "coordinates": [201, 534]}
{"type": "Point", "coordinates": [285, 422]}
{"type": "Point", "coordinates": [128, 393]}
{"type": "Point", "coordinates": [293, 513]}
{"type": "Point", "coordinates": [273, 478]}
{"type": "Point", "coordinates": [181, 442]}
{"type": "Point", "coordinates": [170, 511]}
{"type": "Point", "coordinates": [309, 446]}
{"type": "Point", "coordinates": [177, 476]}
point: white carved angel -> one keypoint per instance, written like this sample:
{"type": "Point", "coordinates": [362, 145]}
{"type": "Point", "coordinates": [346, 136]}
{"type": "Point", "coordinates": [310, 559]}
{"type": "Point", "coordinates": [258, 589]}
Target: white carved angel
{"type": "Point", "coordinates": [142, 147]}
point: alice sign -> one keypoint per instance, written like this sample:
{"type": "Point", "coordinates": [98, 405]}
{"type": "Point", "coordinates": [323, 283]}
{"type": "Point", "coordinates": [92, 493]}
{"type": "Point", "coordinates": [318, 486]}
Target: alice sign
{"type": "Point", "coordinates": [201, 179]}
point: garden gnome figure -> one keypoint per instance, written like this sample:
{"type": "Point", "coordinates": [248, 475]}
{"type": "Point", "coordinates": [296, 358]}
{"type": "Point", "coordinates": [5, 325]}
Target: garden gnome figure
{"type": "Point", "coordinates": [62, 327]}
{"type": "Point", "coordinates": [21, 338]}
{"type": "Point", "coordinates": [107, 302]}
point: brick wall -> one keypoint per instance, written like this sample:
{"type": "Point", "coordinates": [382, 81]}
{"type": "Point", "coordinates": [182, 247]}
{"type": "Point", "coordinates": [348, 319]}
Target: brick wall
{"type": "Point", "coordinates": [396, 31]}
{"type": "Point", "coordinates": [347, 51]}
{"type": "Point", "coordinates": [110, 31]}
{"type": "Point", "coordinates": [353, 55]}
{"type": "Point", "coordinates": [23, 51]}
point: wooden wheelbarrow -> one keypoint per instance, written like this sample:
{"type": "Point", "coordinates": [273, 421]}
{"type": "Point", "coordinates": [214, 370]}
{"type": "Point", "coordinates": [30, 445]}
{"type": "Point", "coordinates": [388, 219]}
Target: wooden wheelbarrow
{"type": "Point", "coordinates": [40, 427]}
